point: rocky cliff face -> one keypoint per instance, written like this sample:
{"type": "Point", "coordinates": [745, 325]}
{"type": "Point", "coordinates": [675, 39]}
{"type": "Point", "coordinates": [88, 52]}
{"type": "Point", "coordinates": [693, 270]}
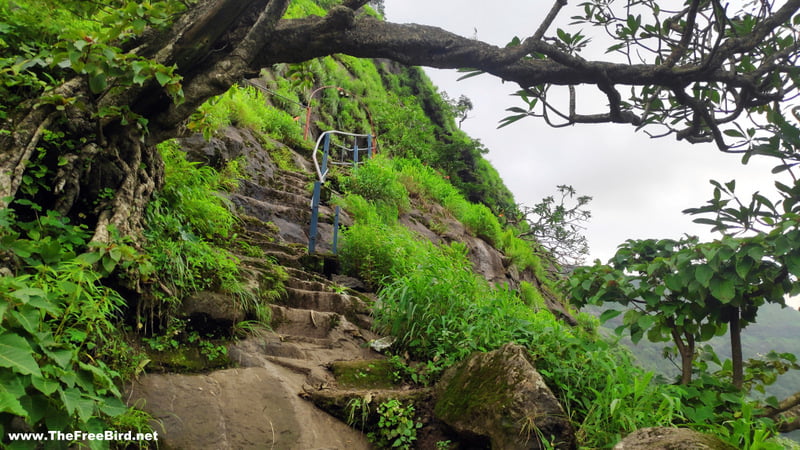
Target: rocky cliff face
{"type": "Point", "coordinates": [269, 396]}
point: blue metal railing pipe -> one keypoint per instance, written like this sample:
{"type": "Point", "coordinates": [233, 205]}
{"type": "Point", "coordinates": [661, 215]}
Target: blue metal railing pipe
{"type": "Point", "coordinates": [322, 172]}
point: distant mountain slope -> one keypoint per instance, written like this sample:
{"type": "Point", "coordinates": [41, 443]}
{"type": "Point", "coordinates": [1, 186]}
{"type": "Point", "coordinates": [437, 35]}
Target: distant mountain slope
{"type": "Point", "coordinates": [776, 329]}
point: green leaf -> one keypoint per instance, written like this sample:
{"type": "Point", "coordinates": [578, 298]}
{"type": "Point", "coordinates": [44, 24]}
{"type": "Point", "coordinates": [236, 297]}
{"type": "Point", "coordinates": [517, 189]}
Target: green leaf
{"type": "Point", "coordinates": [743, 267]}
{"type": "Point", "coordinates": [109, 264]}
{"type": "Point", "coordinates": [17, 354]}
{"type": "Point", "coordinates": [113, 407]}
{"type": "Point", "coordinates": [45, 386]}
{"type": "Point", "coordinates": [89, 257]}
{"type": "Point", "coordinates": [62, 358]}
{"type": "Point", "coordinates": [75, 402]}
{"type": "Point", "coordinates": [703, 275]}
{"type": "Point", "coordinates": [707, 331]}
{"type": "Point", "coordinates": [722, 289]}
{"type": "Point", "coordinates": [608, 315]}
{"type": "Point", "coordinates": [98, 83]}
{"type": "Point", "coordinates": [27, 317]}
{"type": "Point", "coordinates": [163, 78]}
{"type": "Point", "coordinates": [793, 263]}
{"type": "Point", "coordinates": [733, 133]}
{"type": "Point", "coordinates": [470, 73]}
{"type": "Point", "coordinates": [646, 321]}
{"type": "Point", "coordinates": [731, 398]}
{"type": "Point", "coordinates": [11, 390]}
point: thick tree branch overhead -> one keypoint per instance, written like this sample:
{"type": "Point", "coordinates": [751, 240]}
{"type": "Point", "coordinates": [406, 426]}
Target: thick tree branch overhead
{"type": "Point", "coordinates": [692, 51]}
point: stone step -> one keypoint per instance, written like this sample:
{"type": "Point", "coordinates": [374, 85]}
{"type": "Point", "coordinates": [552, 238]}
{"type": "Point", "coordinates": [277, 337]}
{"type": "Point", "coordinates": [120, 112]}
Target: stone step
{"type": "Point", "coordinates": [355, 309]}
{"type": "Point", "coordinates": [309, 284]}
{"type": "Point", "coordinates": [291, 181]}
{"type": "Point", "coordinates": [295, 197]}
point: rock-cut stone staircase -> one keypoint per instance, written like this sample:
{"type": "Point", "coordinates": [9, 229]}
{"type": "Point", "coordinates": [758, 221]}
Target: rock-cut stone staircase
{"type": "Point", "coordinates": [316, 322]}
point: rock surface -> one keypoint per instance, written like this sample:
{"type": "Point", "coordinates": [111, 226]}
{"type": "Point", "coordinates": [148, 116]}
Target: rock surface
{"type": "Point", "coordinates": [243, 408]}
{"type": "Point", "coordinates": [499, 396]}
{"type": "Point", "coordinates": [663, 438]}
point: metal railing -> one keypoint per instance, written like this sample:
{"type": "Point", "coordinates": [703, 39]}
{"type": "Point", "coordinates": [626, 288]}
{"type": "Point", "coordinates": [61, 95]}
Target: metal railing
{"type": "Point", "coordinates": [347, 155]}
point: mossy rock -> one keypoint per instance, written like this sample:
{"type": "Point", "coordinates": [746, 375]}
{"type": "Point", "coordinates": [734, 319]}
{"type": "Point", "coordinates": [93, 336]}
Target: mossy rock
{"type": "Point", "coordinates": [499, 396]}
{"type": "Point", "coordinates": [364, 374]}
{"type": "Point", "coordinates": [185, 360]}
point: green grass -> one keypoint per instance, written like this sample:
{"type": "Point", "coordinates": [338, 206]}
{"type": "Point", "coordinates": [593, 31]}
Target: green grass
{"type": "Point", "coordinates": [441, 311]}
{"type": "Point", "coordinates": [246, 107]}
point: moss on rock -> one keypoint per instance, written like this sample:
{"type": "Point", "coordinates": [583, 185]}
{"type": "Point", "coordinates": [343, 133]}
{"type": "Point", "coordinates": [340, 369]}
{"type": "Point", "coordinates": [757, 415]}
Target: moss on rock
{"type": "Point", "coordinates": [365, 374]}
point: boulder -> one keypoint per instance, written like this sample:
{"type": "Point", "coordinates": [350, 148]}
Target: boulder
{"type": "Point", "coordinates": [499, 397]}
{"type": "Point", "coordinates": [663, 438]}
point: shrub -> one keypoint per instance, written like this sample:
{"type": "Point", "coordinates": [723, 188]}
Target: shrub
{"type": "Point", "coordinates": [60, 347]}
{"type": "Point", "coordinates": [377, 181]}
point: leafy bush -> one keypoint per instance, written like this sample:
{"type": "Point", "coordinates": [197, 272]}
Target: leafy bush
{"type": "Point", "coordinates": [58, 333]}
{"type": "Point", "coordinates": [396, 426]}
{"type": "Point", "coordinates": [376, 252]}
{"type": "Point", "coordinates": [377, 181]}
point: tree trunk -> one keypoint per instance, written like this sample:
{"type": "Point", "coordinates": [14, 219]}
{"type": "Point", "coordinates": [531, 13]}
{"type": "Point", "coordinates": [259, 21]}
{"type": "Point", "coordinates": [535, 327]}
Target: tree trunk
{"type": "Point", "coordinates": [736, 348]}
{"type": "Point", "coordinates": [686, 350]}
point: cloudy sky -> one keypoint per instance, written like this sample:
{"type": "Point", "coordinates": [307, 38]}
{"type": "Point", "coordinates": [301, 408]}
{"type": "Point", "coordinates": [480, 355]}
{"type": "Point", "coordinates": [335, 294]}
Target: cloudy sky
{"type": "Point", "coordinates": [639, 185]}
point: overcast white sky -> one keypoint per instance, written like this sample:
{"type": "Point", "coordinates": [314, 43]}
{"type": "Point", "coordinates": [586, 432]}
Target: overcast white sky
{"type": "Point", "coordinates": [639, 185]}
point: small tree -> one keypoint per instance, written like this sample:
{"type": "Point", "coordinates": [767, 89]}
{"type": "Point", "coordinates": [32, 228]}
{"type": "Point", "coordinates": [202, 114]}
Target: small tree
{"type": "Point", "coordinates": [636, 278]}
{"type": "Point", "coordinates": [692, 290]}
{"type": "Point", "coordinates": [558, 226]}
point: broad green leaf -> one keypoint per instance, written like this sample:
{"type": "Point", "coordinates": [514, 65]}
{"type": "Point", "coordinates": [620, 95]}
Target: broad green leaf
{"type": "Point", "coordinates": [89, 257]}
{"type": "Point", "coordinates": [11, 390]}
{"type": "Point", "coordinates": [673, 283]}
{"type": "Point", "coordinates": [108, 264]}
{"type": "Point", "coordinates": [98, 83]}
{"type": "Point", "coordinates": [782, 245]}
{"type": "Point", "coordinates": [731, 398]}
{"type": "Point", "coordinates": [37, 405]}
{"type": "Point", "coordinates": [743, 267]}
{"type": "Point", "coordinates": [17, 354]}
{"type": "Point", "coordinates": [722, 289]}
{"type": "Point", "coordinates": [163, 78]}
{"type": "Point", "coordinates": [608, 315]}
{"type": "Point", "coordinates": [707, 331]}
{"type": "Point", "coordinates": [62, 357]}
{"type": "Point", "coordinates": [45, 386]}
{"type": "Point", "coordinates": [646, 321]}
{"type": "Point", "coordinates": [793, 263]}
{"type": "Point", "coordinates": [9, 403]}
{"type": "Point", "coordinates": [113, 407]}
{"type": "Point", "coordinates": [27, 317]}
{"type": "Point", "coordinates": [703, 275]}
{"type": "Point", "coordinates": [75, 402]}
